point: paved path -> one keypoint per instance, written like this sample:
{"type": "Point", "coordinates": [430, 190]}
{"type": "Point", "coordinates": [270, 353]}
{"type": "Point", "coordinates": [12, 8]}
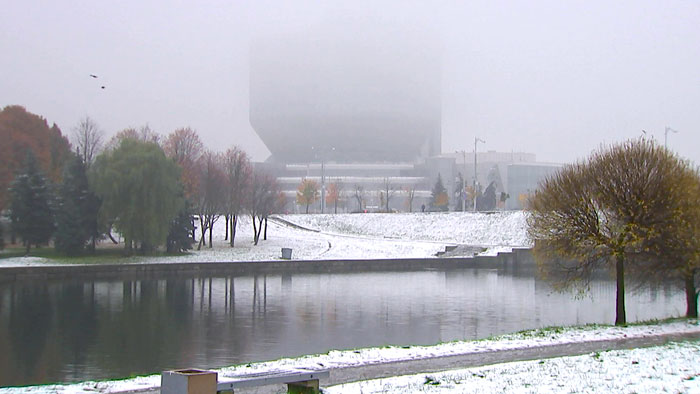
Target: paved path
{"type": "Point", "coordinates": [467, 360]}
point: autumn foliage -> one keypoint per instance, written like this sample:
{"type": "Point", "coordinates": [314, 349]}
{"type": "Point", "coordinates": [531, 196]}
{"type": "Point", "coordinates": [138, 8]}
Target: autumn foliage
{"type": "Point", "coordinates": [22, 131]}
{"type": "Point", "coordinates": [621, 206]}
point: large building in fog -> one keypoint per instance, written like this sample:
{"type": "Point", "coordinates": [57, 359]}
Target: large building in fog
{"type": "Point", "coordinates": [366, 96]}
{"type": "Point", "coordinates": [361, 109]}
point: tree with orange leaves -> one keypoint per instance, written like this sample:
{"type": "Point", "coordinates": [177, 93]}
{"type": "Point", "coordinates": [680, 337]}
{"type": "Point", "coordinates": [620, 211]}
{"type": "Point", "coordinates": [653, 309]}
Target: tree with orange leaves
{"type": "Point", "coordinates": [307, 193]}
{"type": "Point", "coordinates": [334, 194]}
{"type": "Point", "coordinates": [185, 148]}
{"type": "Point", "coordinates": [22, 132]}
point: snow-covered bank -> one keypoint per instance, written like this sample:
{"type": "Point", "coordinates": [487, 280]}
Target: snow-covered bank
{"type": "Point", "coordinates": [669, 368]}
{"type": "Point", "coordinates": [673, 365]}
{"type": "Point", "coordinates": [353, 236]}
{"type": "Point", "coordinates": [466, 228]}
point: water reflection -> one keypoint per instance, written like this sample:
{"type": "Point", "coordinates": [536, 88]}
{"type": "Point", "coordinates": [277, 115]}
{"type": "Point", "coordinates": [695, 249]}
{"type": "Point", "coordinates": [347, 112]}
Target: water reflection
{"type": "Point", "coordinates": [70, 331]}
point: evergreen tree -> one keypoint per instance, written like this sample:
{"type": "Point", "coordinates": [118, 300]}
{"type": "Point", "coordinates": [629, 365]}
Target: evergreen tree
{"type": "Point", "coordinates": [439, 198]}
{"type": "Point", "coordinates": [76, 216]}
{"type": "Point", "coordinates": [179, 238]}
{"type": "Point", "coordinates": [30, 204]}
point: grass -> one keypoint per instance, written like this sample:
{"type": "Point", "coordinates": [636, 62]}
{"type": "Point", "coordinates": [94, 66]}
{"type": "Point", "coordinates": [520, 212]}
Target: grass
{"type": "Point", "coordinates": [107, 255]}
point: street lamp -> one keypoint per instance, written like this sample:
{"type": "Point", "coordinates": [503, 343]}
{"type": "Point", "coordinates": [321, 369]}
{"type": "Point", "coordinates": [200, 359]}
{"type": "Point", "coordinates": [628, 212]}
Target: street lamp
{"type": "Point", "coordinates": [666, 134]}
{"type": "Point", "coordinates": [323, 178]}
{"type": "Point", "coordinates": [476, 139]}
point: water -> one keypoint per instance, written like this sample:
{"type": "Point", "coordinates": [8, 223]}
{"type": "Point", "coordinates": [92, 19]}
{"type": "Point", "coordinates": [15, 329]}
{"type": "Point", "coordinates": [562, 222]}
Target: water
{"type": "Point", "coordinates": [73, 331]}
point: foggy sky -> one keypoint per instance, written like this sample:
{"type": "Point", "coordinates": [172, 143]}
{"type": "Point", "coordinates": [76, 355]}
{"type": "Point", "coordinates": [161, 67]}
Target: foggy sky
{"type": "Point", "coordinates": [556, 78]}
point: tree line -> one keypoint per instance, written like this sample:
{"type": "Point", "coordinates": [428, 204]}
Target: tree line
{"type": "Point", "coordinates": [632, 209]}
{"type": "Point", "coordinates": [148, 188]}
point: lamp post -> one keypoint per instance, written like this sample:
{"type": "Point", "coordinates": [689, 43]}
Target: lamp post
{"type": "Point", "coordinates": [321, 154]}
{"type": "Point", "coordinates": [463, 192]}
{"type": "Point", "coordinates": [666, 134]}
{"type": "Point", "coordinates": [476, 139]}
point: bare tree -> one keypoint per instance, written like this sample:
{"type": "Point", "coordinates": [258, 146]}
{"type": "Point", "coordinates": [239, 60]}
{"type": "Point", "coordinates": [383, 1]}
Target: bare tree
{"type": "Point", "coordinates": [410, 195]}
{"type": "Point", "coordinates": [183, 145]}
{"type": "Point", "coordinates": [605, 212]}
{"type": "Point", "coordinates": [87, 138]}
{"type": "Point", "coordinates": [359, 195]}
{"type": "Point", "coordinates": [211, 199]}
{"type": "Point", "coordinates": [262, 201]}
{"type": "Point", "coordinates": [145, 134]}
{"type": "Point", "coordinates": [238, 173]}
{"type": "Point", "coordinates": [389, 190]}
{"type": "Point", "coordinates": [185, 148]}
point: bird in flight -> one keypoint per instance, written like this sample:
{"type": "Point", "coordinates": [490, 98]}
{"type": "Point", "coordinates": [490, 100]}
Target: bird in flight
{"type": "Point", "coordinates": [93, 75]}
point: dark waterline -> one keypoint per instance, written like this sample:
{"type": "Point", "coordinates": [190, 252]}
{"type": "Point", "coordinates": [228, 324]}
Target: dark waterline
{"type": "Point", "coordinates": [68, 331]}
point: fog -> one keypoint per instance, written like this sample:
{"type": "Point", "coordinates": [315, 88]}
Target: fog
{"type": "Point", "coordinates": [549, 77]}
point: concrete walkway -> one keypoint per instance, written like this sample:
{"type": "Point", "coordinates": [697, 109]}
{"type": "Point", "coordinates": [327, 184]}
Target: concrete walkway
{"type": "Point", "coordinates": [476, 359]}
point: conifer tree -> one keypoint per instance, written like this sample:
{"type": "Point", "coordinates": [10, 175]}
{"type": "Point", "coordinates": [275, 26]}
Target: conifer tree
{"type": "Point", "coordinates": [30, 204]}
{"type": "Point", "coordinates": [179, 238]}
{"type": "Point", "coordinates": [76, 216]}
{"type": "Point", "coordinates": [439, 199]}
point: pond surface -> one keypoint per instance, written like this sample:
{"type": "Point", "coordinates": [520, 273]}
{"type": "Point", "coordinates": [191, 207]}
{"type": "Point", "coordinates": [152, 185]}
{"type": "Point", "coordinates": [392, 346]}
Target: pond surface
{"type": "Point", "coordinates": [83, 330]}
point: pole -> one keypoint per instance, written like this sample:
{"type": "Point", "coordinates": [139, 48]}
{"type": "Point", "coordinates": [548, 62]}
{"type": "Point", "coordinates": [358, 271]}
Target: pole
{"type": "Point", "coordinates": [474, 185]}
{"type": "Point", "coordinates": [323, 187]}
{"type": "Point", "coordinates": [666, 134]}
{"type": "Point", "coordinates": [463, 193]}
{"type": "Point", "coordinates": [476, 139]}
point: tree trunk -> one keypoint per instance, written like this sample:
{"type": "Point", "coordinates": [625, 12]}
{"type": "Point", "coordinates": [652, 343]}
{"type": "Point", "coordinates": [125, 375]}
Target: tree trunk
{"type": "Point", "coordinates": [204, 231]}
{"type": "Point", "coordinates": [335, 206]}
{"type": "Point", "coordinates": [691, 295]}
{"type": "Point", "coordinates": [620, 317]}
{"type": "Point", "coordinates": [265, 233]}
{"type": "Point", "coordinates": [226, 234]}
{"type": "Point", "coordinates": [307, 209]}
{"type": "Point", "coordinates": [211, 228]}
{"type": "Point", "coordinates": [109, 234]}
{"type": "Point", "coordinates": [26, 250]}
{"type": "Point", "coordinates": [234, 221]}
{"type": "Point", "coordinates": [260, 227]}
{"type": "Point", "coordinates": [194, 230]}
{"type": "Point", "coordinates": [255, 232]}
{"type": "Point", "coordinates": [203, 228]}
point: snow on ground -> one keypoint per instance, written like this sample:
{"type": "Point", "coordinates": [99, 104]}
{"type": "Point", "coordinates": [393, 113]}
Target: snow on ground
{"type": "Point", "coordinates": [353, 236]}
{"type": "Point", "coordinates": [672, 363]}
{"type": "Point", "coordinates": [670, 368]}
{"type": "Point", "coordinates": [466, 228]}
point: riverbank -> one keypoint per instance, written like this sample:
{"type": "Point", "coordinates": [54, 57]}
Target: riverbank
{"type": "Point", "coordinates": [342, 237]}
{"type": "Point", "coordinates": [368, 364]}
{"type": "Point", "coordinates": [516, 259]}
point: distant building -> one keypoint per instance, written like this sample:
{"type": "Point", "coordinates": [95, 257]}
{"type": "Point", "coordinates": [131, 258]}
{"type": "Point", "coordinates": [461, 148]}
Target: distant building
{"type": "Point", "coordinates": [517, 179]}
{"type": "Point", "coordinates": [369, 97]}
{"type": "Point", "coordinates": [363, 109]}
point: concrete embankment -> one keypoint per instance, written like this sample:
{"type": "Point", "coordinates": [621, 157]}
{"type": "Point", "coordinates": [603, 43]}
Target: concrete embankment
{"type": "Point", "coordinates": [519, 258]}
